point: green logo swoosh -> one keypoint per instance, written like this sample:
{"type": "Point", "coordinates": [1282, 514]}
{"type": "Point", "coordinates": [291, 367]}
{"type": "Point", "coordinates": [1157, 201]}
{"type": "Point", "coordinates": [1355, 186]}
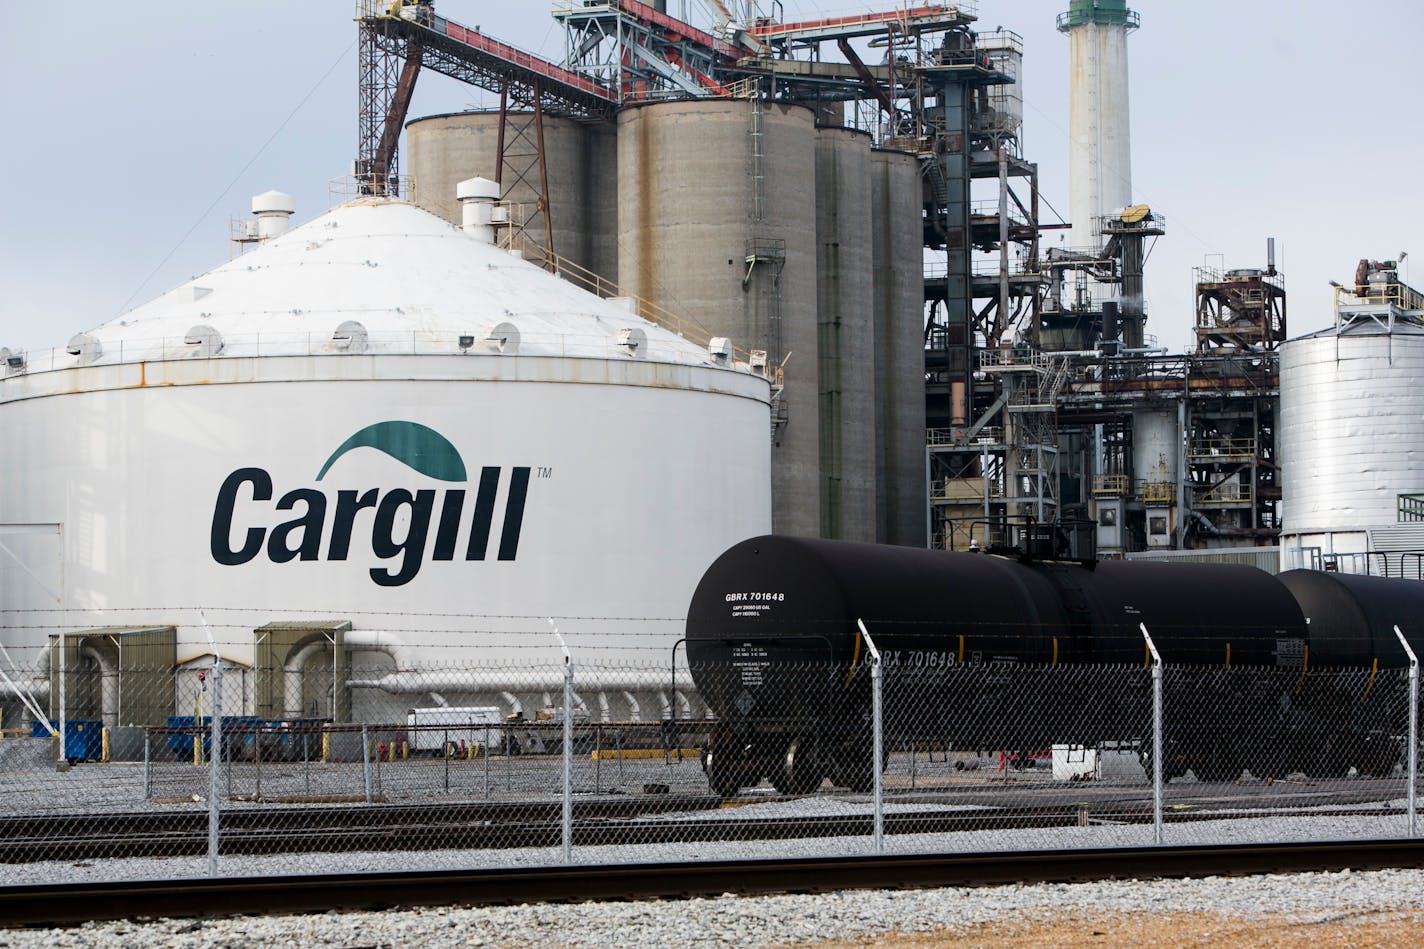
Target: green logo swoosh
{"type": "Point", "coordinates": [412, 444]}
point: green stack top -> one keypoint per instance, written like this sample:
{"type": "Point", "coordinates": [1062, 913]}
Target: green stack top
{"type": "Point", "coordinates": [1081, 12]}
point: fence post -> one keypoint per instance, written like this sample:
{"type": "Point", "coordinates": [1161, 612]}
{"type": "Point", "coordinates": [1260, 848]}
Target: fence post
{"type": "Point", "coordinates": [63, 706]}
{"type": "Point", "coordinates": [147, 764]}
{"type": "Point", "coordinates": [214, 759]}
{"type": "Point", "coordinates": [1413, 760]}
{"type": "Point", "coordinates": [568, 803]}
{"type": "Point", "coordinates": [877, 741]}
{"type": "Point", "coordinates": [366, 762]}
{"type": "Point", "coordinates": [568, 809]}
{"type": "Point", "coordinates": [1157, 747]}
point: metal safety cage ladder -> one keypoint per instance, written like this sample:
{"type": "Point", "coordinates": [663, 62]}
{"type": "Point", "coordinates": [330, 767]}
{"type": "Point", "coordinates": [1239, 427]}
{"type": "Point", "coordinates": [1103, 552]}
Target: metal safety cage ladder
{"type": "Point", "coordinates": [1413, 761]}
{"type": "Point", "coordinates": [1158, 751]}
{"type": "Point", "coordinates": [877, 737]}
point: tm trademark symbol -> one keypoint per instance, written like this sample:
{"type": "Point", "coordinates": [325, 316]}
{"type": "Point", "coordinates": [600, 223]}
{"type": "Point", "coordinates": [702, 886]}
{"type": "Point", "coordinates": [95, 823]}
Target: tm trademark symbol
{"type": "Point", "coordinates": [546, 472]}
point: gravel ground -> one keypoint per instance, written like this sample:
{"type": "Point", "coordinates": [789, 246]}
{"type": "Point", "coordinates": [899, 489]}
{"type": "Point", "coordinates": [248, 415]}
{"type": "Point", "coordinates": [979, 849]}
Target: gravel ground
{"type": "Point", "coordinates": [1178, 912]}
{"type": "Point", "coordinates": [1309, 909]}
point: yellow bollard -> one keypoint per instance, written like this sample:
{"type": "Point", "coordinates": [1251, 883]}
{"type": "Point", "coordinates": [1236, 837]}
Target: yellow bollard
{"type": "Point", "coordinates": [325, 745]}
{"type": "Point", "coordinates": [104, 744]}
{"type": "Point", "coordinates": [197, 728]}
{"type": "Point", "coordinates": [405, 750]}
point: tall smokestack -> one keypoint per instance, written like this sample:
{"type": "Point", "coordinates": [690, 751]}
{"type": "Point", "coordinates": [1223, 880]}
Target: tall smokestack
{"type": "Point", "coordinates": [1100, 150]}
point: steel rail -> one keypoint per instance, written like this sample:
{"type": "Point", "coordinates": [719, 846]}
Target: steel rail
{"type": "Point", "coordinates": [64, 904]}
{"type": "Point", "coordinates": [414, 829]}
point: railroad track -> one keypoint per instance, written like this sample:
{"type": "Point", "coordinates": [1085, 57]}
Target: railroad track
{"type": "Point", "coordinates": [646, 819]}
{"type": "Point", "coordinates": [63, 904]}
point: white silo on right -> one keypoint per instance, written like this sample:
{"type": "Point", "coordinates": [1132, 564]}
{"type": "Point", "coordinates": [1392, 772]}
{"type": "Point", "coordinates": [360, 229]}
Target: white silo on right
{"type": "Point", "coordinates": [1100, 147]}
{"type": "Point", "coordinates": [1352, 439]}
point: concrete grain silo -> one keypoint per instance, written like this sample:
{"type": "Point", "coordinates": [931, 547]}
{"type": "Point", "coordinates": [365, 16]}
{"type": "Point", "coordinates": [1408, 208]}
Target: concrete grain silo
{"type": "Point", "coordinates": [717, 222]}
{"type": "Point", "coordinates": [898, 306]}
{"type": "Point", "coordinates": [580, 158]}
{"type": "Point", "coordinates": [846, 341]}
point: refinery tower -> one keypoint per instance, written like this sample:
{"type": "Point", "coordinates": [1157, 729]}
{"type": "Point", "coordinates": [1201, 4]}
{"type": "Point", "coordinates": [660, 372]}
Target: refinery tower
{"type": "Point", "coordinates": [1100, 153]}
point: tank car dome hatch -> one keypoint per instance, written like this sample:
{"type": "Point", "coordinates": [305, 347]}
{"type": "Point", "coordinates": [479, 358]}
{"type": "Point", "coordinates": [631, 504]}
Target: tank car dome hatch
{"type": "Point", "coordinates": [381, 422]}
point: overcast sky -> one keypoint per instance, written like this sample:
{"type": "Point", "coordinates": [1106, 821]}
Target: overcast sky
{"type": "Point", "coordinates": [135, 133]}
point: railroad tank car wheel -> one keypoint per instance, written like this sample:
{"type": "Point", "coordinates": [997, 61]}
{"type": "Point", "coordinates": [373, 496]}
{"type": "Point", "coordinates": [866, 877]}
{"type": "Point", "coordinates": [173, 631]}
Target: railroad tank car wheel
{"type": "Point", "coordinates": [1173, 766]}
{"type": "Point", "coordinates": [851, 769]}
{"type": "Point", "coordinates": [1216, 765]}
{"type": "Point", "coordinates": [726, 761]}
{"type": "Point", "coordinates": [723, 777]}
{"type": "Point", "coordinates": [1331, 758]}
{"type": "Point", "coordinates": [800, 770]}
{"type": "Point", "coordinates": [1270, 763]}
{"type": "Point", "coordinates": [1376, 757]}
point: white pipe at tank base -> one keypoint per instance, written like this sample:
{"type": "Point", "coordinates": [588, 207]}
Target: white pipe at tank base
{"type": "Point", "coordinates": [293, 675]}
{"type": "Point", "coordinates": [603, 713]}
{"type": "Point", "coordinates": [414, 681]}
{"type": "Point", "coordinates": [439, 700]}
{"type": "Point", "coordinates": [108, 684]}
{"type": "Point", "coordinates": [35, 688]}
{"type": "Point", "coordinates": [379, 640]}
{"type": "Point", "coordinates": [664, 705]}
{"type": "Point", "coordinates": [635, 713]}
{"type": "Point", "coordinates": [683, 705]}
{"type": "Point", "coordinates": [516, 707]}
{"type": "Point", "coordinates": [477, 197]}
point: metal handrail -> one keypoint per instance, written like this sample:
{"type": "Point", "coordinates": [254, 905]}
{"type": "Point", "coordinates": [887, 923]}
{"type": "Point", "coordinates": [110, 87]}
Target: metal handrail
{"type": "Point", "coordinates": [1399, 295]}
{"type": "Point", "coordinates": [1208, 448]}
{"type": "Point", "coordinates": [603, 287]}
{"type": "Point", "coordinates": [1229, 493]}
{"type": "Point", "coordinates": [1110, 485]}
{"type": "Point", "coordinates": [1158, 492]}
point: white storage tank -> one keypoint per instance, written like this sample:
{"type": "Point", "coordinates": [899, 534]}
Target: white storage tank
{"type": "Point", "coordinates": [1352, 436]}
{"type": "Point", "coordinates": [377, 428]}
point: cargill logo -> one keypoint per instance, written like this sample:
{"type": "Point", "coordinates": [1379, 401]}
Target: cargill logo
{"type": "Point", "coordinates": [239, 535]}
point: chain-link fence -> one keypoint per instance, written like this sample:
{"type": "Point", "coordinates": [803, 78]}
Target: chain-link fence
{"type": "Point", "coordinates": [227, 767]}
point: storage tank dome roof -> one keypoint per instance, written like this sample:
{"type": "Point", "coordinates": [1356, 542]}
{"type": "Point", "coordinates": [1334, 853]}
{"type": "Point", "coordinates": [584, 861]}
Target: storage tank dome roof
{"type": "Point", "coordinates": [396, 279]}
